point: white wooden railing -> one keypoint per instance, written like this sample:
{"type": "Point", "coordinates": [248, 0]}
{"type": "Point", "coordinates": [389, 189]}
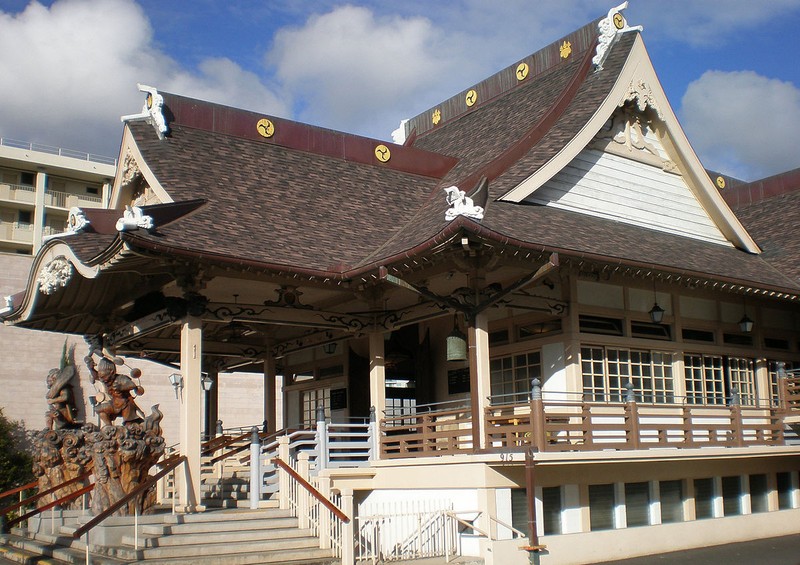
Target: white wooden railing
{"type": "Point", "coordinates": [316, 508]}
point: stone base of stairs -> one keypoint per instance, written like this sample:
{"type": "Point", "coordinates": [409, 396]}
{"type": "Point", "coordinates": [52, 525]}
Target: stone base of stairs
{"type": "Point", "coordinates": [230, 537]}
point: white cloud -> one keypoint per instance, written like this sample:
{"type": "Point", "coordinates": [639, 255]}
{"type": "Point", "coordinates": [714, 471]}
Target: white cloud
{"type": "Point", "coordinates": [743, 123]}
{"type": "Point", "coordinates": [348, 66]}
{"type": "Point", "coordinates": [363, 69]}
{"type": "Point", "coordinates": [75, 66]}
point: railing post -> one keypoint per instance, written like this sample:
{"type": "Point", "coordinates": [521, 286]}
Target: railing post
{"type": "Point", "coordinates": [219, 466]}
{"type": "Point", "coordinates": [348, 529]}
{"type": "Point", "coordinates": [255, 469]}
{"type": "Point", "coordinates": [783, 388]}
{"type": "Point", "coordinates": [374, 436]}
{"type": "Point", "coordinates": [304, 501]}
{"type": "Point", "coordinates": [322, 439]}
{"type": "Point", "coordinates": [736, 418]}
{"type": "Point", "coordinates": [632, 416]}
{"type": "Point", "coordinates": [538, 432]}
{"type": "Point", "coordinates": [283, 476]}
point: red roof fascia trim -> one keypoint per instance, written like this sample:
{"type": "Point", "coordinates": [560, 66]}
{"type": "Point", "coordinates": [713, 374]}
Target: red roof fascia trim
{"type": "Point", "coordinates": [225, 120]}
{"type": "Point", "coordinates": [750, 193]}
{"type": "Point", "coordinates": [513, 153]}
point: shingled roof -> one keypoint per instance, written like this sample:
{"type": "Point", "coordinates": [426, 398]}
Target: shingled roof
{"type": "Point", "coordinates": [770, 210]}
{"type": "Point", "coordinates": [314, 201]}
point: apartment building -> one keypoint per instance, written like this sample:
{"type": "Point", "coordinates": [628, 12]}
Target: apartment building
{"type": "Point", "coordinates": [38, 186]}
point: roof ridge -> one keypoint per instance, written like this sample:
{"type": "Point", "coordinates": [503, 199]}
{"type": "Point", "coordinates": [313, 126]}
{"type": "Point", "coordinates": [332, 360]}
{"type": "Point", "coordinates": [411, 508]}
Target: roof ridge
{"type": "Point", "coordinates": [749, 193]}
{"type": "Point", "coordinates": [272, 130]}
{"type": "Point", "coordinates": [502, 82]}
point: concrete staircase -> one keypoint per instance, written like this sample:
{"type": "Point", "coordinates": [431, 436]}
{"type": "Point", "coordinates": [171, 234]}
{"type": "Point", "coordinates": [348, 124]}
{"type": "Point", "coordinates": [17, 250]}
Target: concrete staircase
{"type": "Point", "coordinates": [225, 536]}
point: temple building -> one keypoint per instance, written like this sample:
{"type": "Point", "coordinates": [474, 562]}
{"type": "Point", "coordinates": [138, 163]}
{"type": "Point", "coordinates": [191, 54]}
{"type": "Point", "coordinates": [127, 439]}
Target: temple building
{"type": "Point", "coordinates": [560, 325]}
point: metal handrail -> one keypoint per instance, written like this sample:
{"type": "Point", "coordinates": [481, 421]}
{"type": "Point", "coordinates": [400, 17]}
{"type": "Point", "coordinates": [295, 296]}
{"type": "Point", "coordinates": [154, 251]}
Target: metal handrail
{"type": "Point", "coordinates": [505, 525]}
{"type": "Point", "coordinates": [6, 494]}
{"type": "Point", "coordinates": [311, 490]}
{"type": "Point", "coordinates": [58, 151]}
{"type": "Point", "coordinates": [169, 465]}
{"type": "Point", "coordinates": [48, 506]}
{"type": "Point", "coordinates": [35, 497]}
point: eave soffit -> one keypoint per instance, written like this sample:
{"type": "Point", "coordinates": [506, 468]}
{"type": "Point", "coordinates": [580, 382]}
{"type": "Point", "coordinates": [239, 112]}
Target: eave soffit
{"type": "Point", "coordinates": [638, 82]}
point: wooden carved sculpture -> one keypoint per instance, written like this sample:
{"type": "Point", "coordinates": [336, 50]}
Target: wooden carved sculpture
{"type": "Point", "coordinates": [119, 456]}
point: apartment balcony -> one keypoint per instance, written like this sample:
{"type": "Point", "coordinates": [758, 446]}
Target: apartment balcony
{"type": "Point", "coordinates": [16, 232]}
{"type": "Point", "coordinates": [67, 200]}
{"type": "Point", "coordinates": [564, 422]}
{"type": "Point", "coordinates": [18, 193]}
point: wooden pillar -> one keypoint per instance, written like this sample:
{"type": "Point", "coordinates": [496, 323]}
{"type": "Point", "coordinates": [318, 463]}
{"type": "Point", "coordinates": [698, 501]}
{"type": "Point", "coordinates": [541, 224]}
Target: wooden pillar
{"type": "Point", "coordinates": [479, 377]}
{"type": "Point", "coordinates": [270, 397]}
{"type": "Point", "coordinates": [377, 374]}
{"type": "Point", "coordinates": [191, 416]}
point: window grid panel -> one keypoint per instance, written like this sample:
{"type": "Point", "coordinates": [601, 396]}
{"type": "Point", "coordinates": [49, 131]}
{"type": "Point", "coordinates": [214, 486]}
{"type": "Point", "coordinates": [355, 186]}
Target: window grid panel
{"type": "Point", "coordinates": [313, 398]}
{"type": "Point", "coordinates": [774, 379]}
{"type": "Point", "coordinates": [742, 376]}
{"type": "Point", "coordinates": [641, 375]}
{"type": "Point", "coordinates": [607, 370]}
{"type": "Point", "coordinates": [663, 391]}
{"type": "Point", "coordinates": [593, 370]}
{"type": "Point", "coordinates": [511, 376]}
{"type": "Point", "coordinates": [704, 379]}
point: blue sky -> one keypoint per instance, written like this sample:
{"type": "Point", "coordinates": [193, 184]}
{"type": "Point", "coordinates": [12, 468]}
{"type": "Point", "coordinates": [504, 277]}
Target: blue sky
{"type": "Point", "coordinates": [729, 67]}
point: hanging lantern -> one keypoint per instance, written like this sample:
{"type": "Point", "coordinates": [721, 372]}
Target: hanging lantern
{"type": "Point", "coordinates": [456, 344]}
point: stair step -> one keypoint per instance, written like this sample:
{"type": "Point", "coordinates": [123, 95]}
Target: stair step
{"type": "Point", "coordinates": [276, 522]}
{"type": "Point", "coordinates": [242, 503]}
{"type": "Point", "coordinates": [228, 550]}
{"type": "Point", "coordinates": [23, 549]}
{"type": "Point", "coordinates": [288, 557]}
{"type": "Point", "coordinates": [198, 538]}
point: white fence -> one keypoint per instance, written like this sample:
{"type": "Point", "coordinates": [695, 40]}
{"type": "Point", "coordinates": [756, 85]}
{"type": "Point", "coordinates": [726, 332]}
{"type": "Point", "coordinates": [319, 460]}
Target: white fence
{"type": "Point", "coordinates": [412, 530]}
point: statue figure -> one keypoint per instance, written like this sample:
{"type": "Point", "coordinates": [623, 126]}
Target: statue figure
{"type": "Point", "coordinates": [61, 412]}
{"type": "Point", "coordinates": [118, 399]}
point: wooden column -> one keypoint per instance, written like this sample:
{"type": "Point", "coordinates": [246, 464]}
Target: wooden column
{"type": "Point", "coordinates": [479, 377]}
{"type": "Point", "coordinates": [191, 415]}
{"type": "Point", "coordinates": [377, 374]}
{"type": "Point", "coordinates": [270, 397]}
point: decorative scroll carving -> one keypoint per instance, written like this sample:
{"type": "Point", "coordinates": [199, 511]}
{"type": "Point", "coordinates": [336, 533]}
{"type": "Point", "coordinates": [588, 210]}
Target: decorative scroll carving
{"type": "Point", "coordinates": [626, 130]}
{"type": "Point", "coordinates": [54, 275]}
{"type": "Point", "coordinates": [641, 93]}
{"type": "Point", "coordinates": [130, 169]}
{"type": "Point", "coordinates": [610, 28]}
{"type": "Point", "coordinates": [152, 111]}
{"type": "Point", "coordinates": [77, 221]}
{"type": "Point", "coordinates": [461, 205]}
{"type": "Point", "coordinates": [122, 457]}
{"type": "Point", "coordinates": [58, 456]}
{"type": "Point", "coordinates": [289, 297]}
{"type": "Point", "coordinates": [133, 219]}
